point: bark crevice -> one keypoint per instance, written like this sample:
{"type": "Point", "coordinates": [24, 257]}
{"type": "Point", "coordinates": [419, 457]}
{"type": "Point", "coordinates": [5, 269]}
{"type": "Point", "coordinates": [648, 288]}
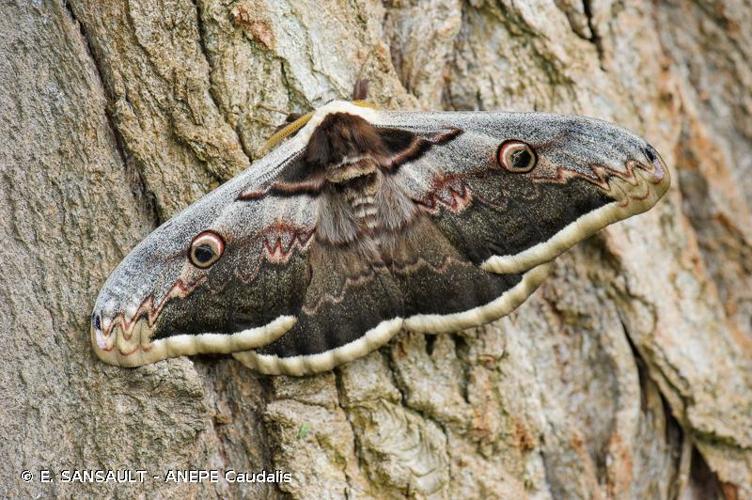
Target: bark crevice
{"type": "Point", "coordinates": [143, 197]}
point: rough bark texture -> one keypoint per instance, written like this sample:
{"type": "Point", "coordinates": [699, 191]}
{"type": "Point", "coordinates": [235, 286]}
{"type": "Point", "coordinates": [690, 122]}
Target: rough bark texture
{"type": "Point", "coordinates": [627, 375]}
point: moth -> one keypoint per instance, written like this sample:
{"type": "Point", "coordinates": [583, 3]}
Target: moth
{"type": "Point", "coordinates": [362, 222]}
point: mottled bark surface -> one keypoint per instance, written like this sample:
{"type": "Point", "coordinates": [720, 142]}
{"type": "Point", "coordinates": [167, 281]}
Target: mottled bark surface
{"type": "Point", "coordinates": [627, 375]}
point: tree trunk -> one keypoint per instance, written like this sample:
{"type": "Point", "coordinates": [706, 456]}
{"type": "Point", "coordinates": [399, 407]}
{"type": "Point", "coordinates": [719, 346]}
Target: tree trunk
{"type": "Point", "coordinates": [627, 375]}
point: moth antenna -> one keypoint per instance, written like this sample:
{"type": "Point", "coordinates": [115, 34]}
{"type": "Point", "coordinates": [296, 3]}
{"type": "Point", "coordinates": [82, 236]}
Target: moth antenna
{"type": "Point", "coordinates": [360, 94]}
{"type": "Point", "coordinates": [285, 132]}
{"type": "Point", "coordinates": [290, 119]}
{"type": "Point", "coordinates": [360, 90]}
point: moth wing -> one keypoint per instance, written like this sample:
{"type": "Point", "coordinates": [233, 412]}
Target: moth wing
{"type": "Point", "coordinates": [587, 174]}
{"type": "Point", "coordinates": [157, 305]}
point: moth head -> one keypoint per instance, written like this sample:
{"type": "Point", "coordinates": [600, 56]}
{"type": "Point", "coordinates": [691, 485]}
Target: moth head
{"type": "Point", "coordinates": [348, 150]}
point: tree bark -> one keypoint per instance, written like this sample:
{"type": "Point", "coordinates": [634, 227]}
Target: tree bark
{"type": "Point", "coordinates": [627, 375]}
